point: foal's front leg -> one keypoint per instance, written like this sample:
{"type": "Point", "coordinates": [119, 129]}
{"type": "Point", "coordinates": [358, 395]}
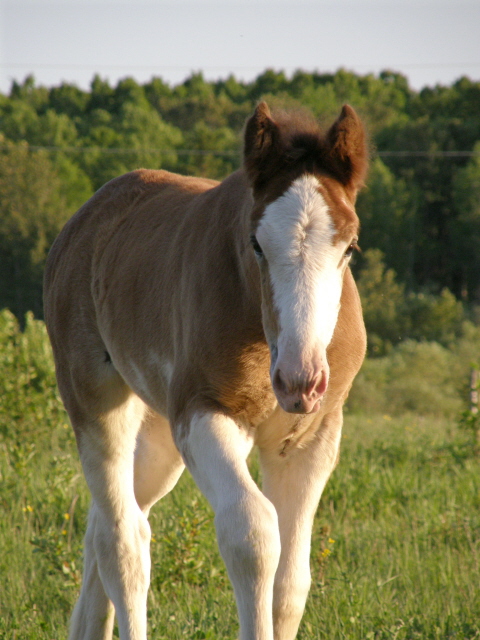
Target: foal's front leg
{"type": "Point", "coordinates": [294, 483]}
{"type": "Point", "coordinates": [215, 450]}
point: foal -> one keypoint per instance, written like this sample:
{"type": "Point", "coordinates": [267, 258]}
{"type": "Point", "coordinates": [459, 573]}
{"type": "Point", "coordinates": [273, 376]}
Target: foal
{"type": "Point", "coordinates": [191, 320]}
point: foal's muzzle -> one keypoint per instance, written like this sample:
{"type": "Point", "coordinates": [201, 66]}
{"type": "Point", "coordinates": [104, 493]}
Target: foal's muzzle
{"type": "Point", "coordinates": [300, 393]}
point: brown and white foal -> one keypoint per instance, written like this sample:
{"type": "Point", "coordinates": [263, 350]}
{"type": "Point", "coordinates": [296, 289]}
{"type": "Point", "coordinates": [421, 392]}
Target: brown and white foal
{"type": "Point", "coordinates": [191, 320]}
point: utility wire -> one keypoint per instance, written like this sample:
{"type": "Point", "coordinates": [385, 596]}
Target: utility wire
{"type": "Point", "coordinates": [114, 150]}
{"type": "Point", "coordinates": [233, 153]}
{"type": "Point", "coordinates": [159, 67]}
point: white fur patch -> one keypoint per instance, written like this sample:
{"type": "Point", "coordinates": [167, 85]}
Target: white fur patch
{"type": "Point", "coordinates": [296, 234]}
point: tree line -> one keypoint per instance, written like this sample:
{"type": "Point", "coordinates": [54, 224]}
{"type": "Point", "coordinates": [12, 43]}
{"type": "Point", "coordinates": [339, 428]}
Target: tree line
{"type": "Point", "coordinates": [419, 270]}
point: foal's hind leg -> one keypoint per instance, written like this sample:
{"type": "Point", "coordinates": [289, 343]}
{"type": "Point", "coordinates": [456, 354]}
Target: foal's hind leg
{"type": "Point", "coordinates": [93, 616]}
{"type": "Point", "coordinates": [118, 535]}
{"type": "Point", "coordinates": [157, 467]}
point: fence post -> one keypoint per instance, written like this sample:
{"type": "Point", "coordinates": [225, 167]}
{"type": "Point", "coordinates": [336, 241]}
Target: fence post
{"type": "Point", "coordinates": [474, 391]}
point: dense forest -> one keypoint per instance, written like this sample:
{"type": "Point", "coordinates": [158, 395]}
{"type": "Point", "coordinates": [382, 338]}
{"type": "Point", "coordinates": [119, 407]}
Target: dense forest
{"type": "Point", "coordinates": [419, 271]}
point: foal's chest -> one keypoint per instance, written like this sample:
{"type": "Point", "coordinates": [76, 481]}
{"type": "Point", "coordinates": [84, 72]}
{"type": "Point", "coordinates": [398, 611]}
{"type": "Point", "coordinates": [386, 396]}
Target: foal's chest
{"type": "Point", "coordinates": [282, 432]}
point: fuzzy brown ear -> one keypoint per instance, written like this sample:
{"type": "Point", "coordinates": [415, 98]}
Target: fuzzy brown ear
{"type": "Point", "coordinates": [347, 149]}
{"type": "Point", "coordinates": [261, 139]}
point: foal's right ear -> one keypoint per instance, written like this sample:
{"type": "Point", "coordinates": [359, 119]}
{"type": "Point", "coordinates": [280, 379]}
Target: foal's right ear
{"type": "Point", "coordinates": [260, 140]}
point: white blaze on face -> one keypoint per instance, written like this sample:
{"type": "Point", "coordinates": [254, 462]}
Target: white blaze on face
{"type": "Point", "coordinates": [296, 235]}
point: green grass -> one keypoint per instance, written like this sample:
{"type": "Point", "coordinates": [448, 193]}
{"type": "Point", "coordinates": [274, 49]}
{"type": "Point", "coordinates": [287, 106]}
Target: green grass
{"type": "Point", "coordinates": [395, 550]}
{"type": "Point", "coordinates": [403, 509]}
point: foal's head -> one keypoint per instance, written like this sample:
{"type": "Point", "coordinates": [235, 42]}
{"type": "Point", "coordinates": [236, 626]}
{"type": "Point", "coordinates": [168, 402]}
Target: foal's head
{"type": "Point", "coordinates": [304, 230]}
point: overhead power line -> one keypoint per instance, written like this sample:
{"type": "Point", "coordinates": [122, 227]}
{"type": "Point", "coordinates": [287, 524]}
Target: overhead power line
{"type": "Point", "coordinates": [114, 150]}
{"type": "Point", "coordinates": [428, 154]}
{"type": "Point", "coordinates": [232, 153]}
{"type": "Point", "coordinates": [160, 67]}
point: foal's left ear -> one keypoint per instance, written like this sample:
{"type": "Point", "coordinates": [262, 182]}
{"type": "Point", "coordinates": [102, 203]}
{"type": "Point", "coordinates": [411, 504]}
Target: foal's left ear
{"type": "Point", "coordinates": [261, 140]}
{"type": "Point", "coordinates": [347, 149]}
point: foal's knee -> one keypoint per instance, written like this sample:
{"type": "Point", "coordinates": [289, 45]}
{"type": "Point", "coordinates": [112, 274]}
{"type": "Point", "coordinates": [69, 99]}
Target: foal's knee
{"type": "Point", "coordinates": [249, 538]}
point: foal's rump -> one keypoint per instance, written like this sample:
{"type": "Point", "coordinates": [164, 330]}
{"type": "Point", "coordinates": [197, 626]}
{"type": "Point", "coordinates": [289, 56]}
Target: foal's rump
{"type": "Point", "coordinates": [128, 210]}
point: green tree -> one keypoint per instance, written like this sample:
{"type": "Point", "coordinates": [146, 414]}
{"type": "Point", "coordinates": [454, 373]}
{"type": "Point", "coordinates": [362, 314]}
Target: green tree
{"type": "Point", "coordinates": [466, 196]}
{"type": "Point", "coordinates": [53, 130]}
{"type": "Point", "coordinates": [18, 119]}
{"type": "Point", "coordinates": [75, 186]}
{"type": "Point", "coordinates": [29, 93]}
{"type": "Point", "coordinates": [69, 99]}
{"type": "Point", "coordinates": [233, 89]}
{"type": "Point", "coordinates": [387, 211]}
{"type": "Point", "coordinates": [440, 122]}
{"type": "Point", "coordinates": [32, 211]}
{"type": "Point", "coordinates": [158, 94]}
{"type": "Point", "coordinates": [137, 137]}
{"type": "Point", "coordinates": [269, 81]}
{"type": "Point", "coordinates": [195, 101]}
{"type": "Point", "coordinates": [102, 95]}
{"type": "Point", "coordinates": [393, 316]}
{"type": "Point", "coordinates": [382, 299]}
{"type": "Point", "coordinates": [222, 159]}
{"type": "Point", "coordinates": [437, 318]}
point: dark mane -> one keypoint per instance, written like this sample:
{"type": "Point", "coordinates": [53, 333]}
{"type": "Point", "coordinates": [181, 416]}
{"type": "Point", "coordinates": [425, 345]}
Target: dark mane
{"type": "Point", "coordinates": [301, 139]}
{"type": "Point", "coordinates": [289, 144]}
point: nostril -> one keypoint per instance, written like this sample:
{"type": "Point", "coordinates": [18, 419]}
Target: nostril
{"type": "Point", "coordinates": [312, 385]}
{"type": "Point", "coordinates": [317, 385]}
{"type": "Point", "coordinates": [279, 383]}
{"type": "Point", "coordinates": [322, 383]}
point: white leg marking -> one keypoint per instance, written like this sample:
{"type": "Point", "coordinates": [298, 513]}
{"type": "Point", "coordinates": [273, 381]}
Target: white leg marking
{"type": "Point", "coordinates": [294, 485]}
{"type": "Point", "coordinates": [93, 616]}
{"type": "Point", "coordinates": [158, 463]}
{"type": "Point", "coordinates": [119, 532]}
{"type": "Point", "coordinates": [246, 522]}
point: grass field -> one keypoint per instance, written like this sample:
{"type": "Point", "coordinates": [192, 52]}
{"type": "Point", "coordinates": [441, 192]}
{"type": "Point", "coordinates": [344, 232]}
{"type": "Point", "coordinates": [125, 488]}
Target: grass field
{"type": "Point", "coordinates": [395, 553]}
{"type": "Point", "coordinates": [396, 546]}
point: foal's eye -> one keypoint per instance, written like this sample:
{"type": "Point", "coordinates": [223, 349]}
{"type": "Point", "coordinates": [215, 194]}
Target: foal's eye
{"type": "Point", "coordinates": [351, 249]}
{"type": "Point", "coordinates": [256, 247]}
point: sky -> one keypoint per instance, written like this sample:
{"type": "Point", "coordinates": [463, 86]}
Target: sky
{"type": "Point", "coordinates": [429, 41]}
